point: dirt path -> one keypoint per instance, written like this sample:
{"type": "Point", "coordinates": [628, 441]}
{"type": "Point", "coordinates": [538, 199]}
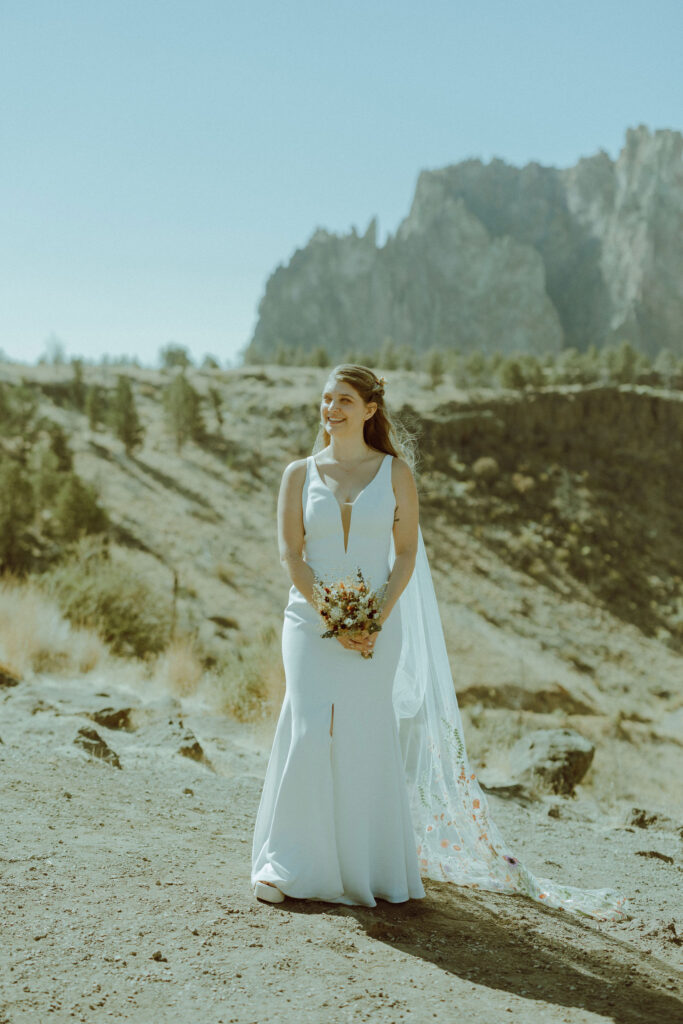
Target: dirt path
{"type": "Point", "coordinates": [125, 896]}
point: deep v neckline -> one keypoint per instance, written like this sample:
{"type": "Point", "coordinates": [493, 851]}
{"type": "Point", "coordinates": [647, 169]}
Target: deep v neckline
{"type": "Point", "coordinates": [346, 539]}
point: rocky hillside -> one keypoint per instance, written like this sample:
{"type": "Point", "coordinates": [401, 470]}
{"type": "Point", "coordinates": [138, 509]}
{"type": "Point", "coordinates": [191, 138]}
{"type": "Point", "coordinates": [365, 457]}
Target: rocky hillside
{"type": "Point", "coordinates": [493, 257]}
{"type": "Point", "coordinates": [553, 527]}
{"type": "Point", "coordinates": [552, 521]}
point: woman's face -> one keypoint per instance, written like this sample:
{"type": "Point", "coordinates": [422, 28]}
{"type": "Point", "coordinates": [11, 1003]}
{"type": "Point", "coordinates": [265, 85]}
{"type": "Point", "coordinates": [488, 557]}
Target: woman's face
{"type": "Point", "coordinates": [342, 410]}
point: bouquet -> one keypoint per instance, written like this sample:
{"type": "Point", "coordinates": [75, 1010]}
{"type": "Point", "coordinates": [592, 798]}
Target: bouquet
{"type": "Point", "coordinates": [349, 605]}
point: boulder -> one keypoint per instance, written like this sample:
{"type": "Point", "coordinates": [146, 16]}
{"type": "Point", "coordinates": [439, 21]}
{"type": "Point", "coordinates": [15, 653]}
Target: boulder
{"type": "Point", "coordinates": [8, 677]}
{"type": "Point", "coordinates": [551, 760]}
{"type": "Point", "coordinates": [95, 747]}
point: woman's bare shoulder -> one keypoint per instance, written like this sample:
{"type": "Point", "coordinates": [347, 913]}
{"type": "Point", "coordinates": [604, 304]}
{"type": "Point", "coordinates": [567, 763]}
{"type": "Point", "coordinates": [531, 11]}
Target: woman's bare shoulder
{"type": "Point", "coordinates": [295, 472]}
{"type": "Point", "coordinates": [400, 470]}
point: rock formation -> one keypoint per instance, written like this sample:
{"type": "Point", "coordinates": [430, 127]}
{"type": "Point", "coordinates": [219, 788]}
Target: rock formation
{"type": "Point", "coordinates": [499, 258]}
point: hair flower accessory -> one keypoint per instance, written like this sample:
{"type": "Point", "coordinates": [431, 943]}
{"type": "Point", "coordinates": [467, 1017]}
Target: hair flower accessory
{"type": "Point", "coordinates": [380, 382]}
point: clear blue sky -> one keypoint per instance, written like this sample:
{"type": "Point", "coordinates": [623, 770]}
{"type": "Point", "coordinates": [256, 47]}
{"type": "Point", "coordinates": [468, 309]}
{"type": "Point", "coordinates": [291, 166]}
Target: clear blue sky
{"type": "Point", "coordinates": [159, 158]}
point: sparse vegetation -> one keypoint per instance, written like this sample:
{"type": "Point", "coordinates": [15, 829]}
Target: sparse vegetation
{"type": "Point", "coordinates": [182, 410]}
{"type": "Point", "coordinates": [249, 678]}
{"type": "Point", "coordinates": [95, 406]}
{"type": "Point", "coordinates": [435, 365]}
{"type": "Point", "coordinates": [217, 402]}
{"type": "Point", "coordinates": [48, 514]}
{"type": "Point", "coordinates": [174, 356]}
{"type": "Point", "coordinates": [43, 502]}
{"type": "Point", "coordinates": [77, 384]}
{"type": "Point", "coordinates": [618, 363]}
{"type": "Point", "coordinates": [123, 416]}
{"type": "Point", "coordinates": [77, 509]}
{"type": "Point", "coordinates": [17, 505]}
{"type": "Point", "coordinates": [179, 668]}
{"type": "Point", "coordinates": [35, 635]}
{"type": "Point", "coordinates": [95, 590]}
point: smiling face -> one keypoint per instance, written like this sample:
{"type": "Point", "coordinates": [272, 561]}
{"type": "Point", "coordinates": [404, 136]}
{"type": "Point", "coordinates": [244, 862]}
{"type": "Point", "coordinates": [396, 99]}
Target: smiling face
{"type": "Point", "coordinates": [342, 410]}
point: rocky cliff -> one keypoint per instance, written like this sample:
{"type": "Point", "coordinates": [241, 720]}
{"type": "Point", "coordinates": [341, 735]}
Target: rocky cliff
{"type": "Point", "coordinates": [493, 257]}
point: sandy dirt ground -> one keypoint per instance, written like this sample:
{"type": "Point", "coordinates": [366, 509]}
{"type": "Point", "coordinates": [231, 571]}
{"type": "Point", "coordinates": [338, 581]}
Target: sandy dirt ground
{"type": "Point", "coordinates": [125, 893]}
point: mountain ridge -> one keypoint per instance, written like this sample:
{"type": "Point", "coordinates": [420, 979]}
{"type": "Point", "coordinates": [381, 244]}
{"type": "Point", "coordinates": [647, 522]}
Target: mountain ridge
{"type": "Point", "coordinates": [496, 257]}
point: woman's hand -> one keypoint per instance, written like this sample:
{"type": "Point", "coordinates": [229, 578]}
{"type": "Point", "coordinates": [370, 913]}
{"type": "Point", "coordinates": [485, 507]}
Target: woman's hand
{"type": "Point", "coordinates": [358, 640]}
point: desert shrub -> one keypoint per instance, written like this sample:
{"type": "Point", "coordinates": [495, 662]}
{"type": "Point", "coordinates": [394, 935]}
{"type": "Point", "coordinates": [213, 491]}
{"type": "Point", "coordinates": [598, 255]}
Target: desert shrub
{"type": "Point", "coordinates": [95, 590]}
{"type": "Point", "coordinates": [511, 373]}
{"type": "Point", "coordinates": [34, 635]}
{"type": "Point", "coordinates": [532, 370]}
{"type": "Point", "coordinates": [474, 370]}
{"type": "Point", "coordinates": [248, 677]}
{"type": "Point", "coordinates": [569, 366]}
{"type": "Point", "coordinates": [520, 370]}
{"type": "Point", "coordinates": [623, 362]}
{"type": "Point", "coordinates": [178, 668]}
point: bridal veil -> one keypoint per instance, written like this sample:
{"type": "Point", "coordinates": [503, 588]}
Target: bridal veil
{"type": "Point", "coordinates": [456, 839]}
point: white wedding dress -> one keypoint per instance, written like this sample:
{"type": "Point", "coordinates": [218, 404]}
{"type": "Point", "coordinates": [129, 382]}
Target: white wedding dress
{"type": "Point", "coordinates": [368, 787]}
{"type": "Point", "coordinates": [334, 821]}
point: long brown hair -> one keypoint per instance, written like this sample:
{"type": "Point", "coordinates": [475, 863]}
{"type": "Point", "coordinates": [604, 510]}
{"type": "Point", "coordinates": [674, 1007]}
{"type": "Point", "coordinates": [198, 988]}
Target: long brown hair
{"type": "Point", "coordinates": [381, 431]}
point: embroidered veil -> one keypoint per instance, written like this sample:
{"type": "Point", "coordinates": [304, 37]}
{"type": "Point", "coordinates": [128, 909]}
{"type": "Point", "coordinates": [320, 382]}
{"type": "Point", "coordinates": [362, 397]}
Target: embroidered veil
{"type": "Point", "coordinates": [456, 839]}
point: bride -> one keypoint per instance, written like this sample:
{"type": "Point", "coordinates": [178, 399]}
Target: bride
{"type": "Point", "coordinates": [368, 788]}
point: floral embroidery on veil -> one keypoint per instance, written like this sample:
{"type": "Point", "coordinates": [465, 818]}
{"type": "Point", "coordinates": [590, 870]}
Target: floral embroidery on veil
{"type": "Point", "coordinates": [456, 839]}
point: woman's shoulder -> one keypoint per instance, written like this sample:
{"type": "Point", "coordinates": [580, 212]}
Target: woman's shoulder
{"type": "Point", "coordinates": [400, 469]}
{"type": "Point", "coordinates": [295, 469]}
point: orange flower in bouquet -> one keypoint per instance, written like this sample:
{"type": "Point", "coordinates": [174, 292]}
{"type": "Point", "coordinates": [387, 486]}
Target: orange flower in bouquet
{"type": "Point", "coordinates": [349, 605]}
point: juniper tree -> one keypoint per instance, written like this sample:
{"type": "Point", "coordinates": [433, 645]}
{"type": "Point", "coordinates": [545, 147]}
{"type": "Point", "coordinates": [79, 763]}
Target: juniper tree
{"type": "Point", "coordinates": [388, 354]}
{"type": "Point", "coordinates": [217, 402]}
{"type": "Point", "coordinates": [59, 444]}
{"type": "Point", "coordinates": [95, 406]}
{"type": "Point", "coordinates": [434, 365]}
{"type": "Point", "coordinates": [182, 410]}
{"type": "Point", "coordinates": [77, 510]}
{"type": "Point", "coordinates": [77, 384]}
{"type": "Point", "coordinates": [172, 356]}
{"type": "Point", "coordinates": [123, 416]}
{"type": "Point", "coordinates": [17, 508]}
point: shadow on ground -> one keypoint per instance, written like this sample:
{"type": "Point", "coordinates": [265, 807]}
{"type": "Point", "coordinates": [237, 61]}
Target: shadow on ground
{"type": "Point", "coordinates": [481, 939]}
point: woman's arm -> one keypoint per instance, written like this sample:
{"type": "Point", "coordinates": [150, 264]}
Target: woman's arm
{"type": "Point", "coordinates": [406, 518]}
{"type": "Point", "coordinates": [290, 525]}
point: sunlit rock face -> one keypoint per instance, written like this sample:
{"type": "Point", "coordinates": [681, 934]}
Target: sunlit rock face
{"type": "Point", "coordinates": [634, 208]}
{"type": "Point", "coordinates": [499, 258]}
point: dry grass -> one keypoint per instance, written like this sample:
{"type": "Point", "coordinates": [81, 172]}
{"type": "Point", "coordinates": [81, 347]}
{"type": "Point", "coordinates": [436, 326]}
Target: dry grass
{"type": "Point", "coordinates": [104, 590]}
{"type": "Point", "coordinates": [178, 669]}
{"type": "Point", "coordinates": [249, 681]}
{"type": "Point", "coordinates": [35, 636]}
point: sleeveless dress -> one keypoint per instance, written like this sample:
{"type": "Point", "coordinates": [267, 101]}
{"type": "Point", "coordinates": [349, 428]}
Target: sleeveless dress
{"type": "Point", "coordinates": [334, 820]}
